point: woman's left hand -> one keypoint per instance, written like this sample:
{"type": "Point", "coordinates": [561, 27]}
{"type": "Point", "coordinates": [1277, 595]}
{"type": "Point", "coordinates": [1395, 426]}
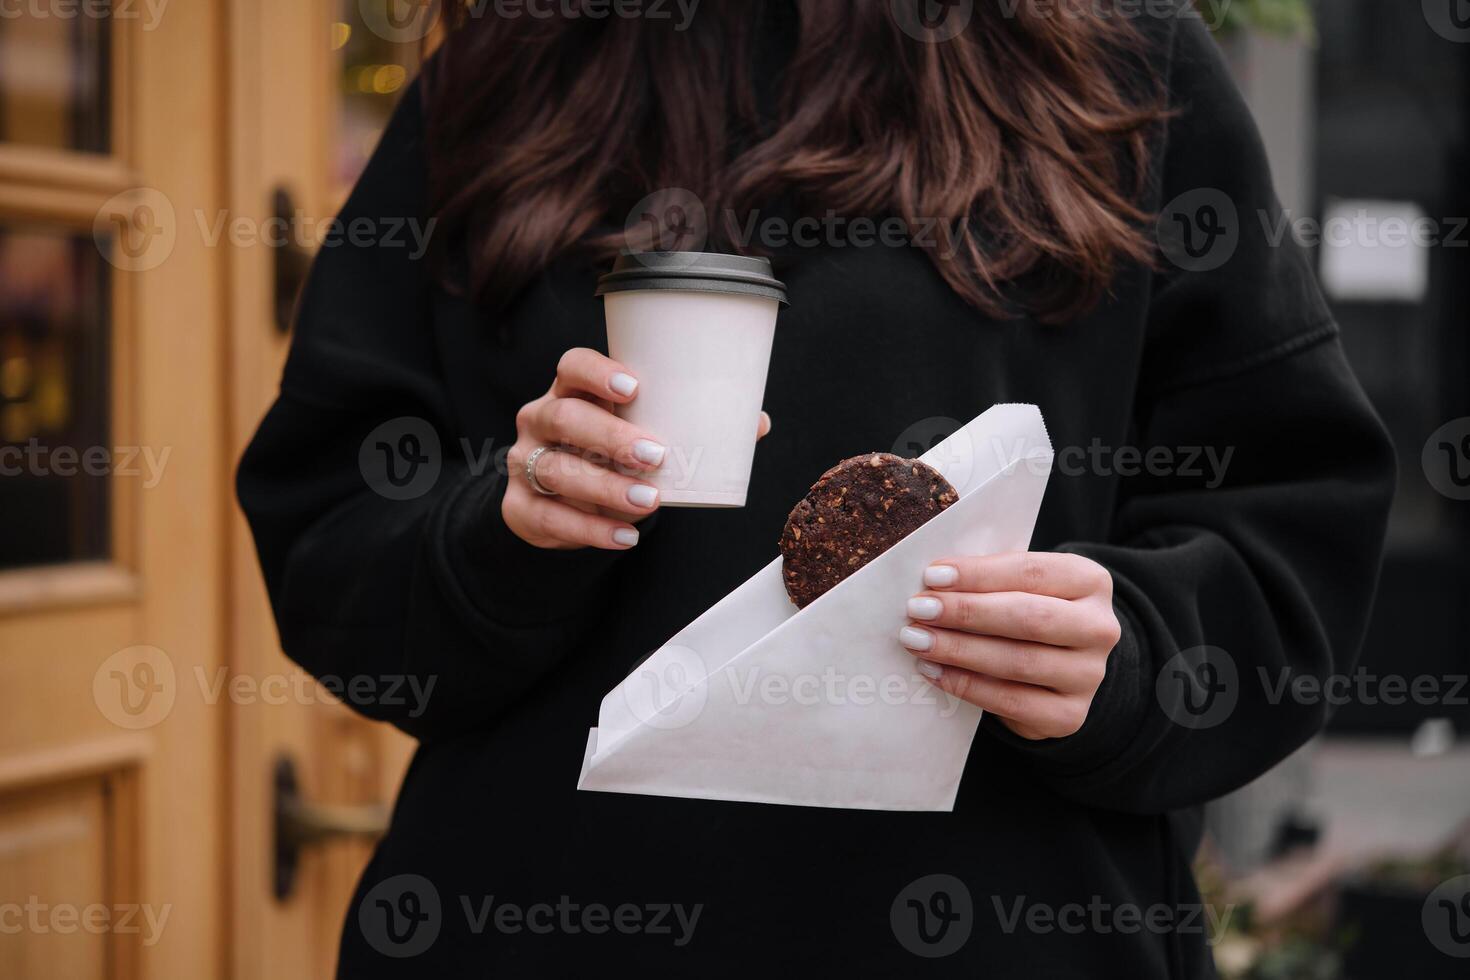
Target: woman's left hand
{"type": "Point", "coordinates": [1025, 636]}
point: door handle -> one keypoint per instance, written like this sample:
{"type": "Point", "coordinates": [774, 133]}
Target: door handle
{"type": "Point", "coordinates": [300, 823]}
{"type": "Point", "coordinates": [290, 262]}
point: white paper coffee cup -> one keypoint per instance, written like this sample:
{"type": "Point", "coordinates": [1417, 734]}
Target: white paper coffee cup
{"type": "Point", "coordinates": [696, 329]}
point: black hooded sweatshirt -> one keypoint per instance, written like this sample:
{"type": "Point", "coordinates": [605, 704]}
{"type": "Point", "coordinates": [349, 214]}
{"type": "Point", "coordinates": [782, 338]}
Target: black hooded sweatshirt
{"type": "Point", "coordinates": [1215, 454]}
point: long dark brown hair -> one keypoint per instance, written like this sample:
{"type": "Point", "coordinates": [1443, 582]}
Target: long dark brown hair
{"type": "Point", "coordinates": [1029, 131]}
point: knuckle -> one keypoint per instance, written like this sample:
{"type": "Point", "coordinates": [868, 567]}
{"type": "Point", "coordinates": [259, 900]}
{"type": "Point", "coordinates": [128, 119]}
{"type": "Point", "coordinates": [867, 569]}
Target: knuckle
{"type": "Point", "coordinates": [1035, 619]}
{"type": "Point", "coordinates": [1071, 717]}
{"type": "Point", "coordinates": [1102, 580]}
{"type": "Point", "coordinates": [967, 610]}
{"type": "Point", "coordinates": [587, 483]}
{"type": "Point", "coordinates": [617, 436]}
{"type": "Point", "coordinates": [969, 567]}
{"type": "Point", "coordinates": [1033, 573]}
{"type": "Point", "coordinates": [610, 491]}
{"type": "Point", "coordinates": [526, 416]}
{"type": "Point", "coordinates": [1027, 664]}
{"type": "Point", "coordinates": [583, 531]}
{"type": "Point", "coordinates": [511, 506]}
{"type": "Point", "coordinates": [567, 364]}
{"type": "Point", "coordinates": [948, 647]}
{"type": "Point", "coordinates": [1100, 628]}
{"type": "Point", "coordinates": [559, 414]}
{"type": "Point", "coordinates": [1008, 703]}
{"type": "Point", "coordinates": [544, 522]}
{"type": "Point", "coordinates": [960, 683]}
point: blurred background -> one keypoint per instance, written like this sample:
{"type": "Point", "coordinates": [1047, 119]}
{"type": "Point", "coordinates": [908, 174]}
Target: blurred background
{"type": "Point", "coordinates": [178, 800]}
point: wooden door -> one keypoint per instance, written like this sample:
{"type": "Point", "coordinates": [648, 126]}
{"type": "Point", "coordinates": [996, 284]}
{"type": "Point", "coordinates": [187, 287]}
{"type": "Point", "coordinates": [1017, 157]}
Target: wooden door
{"type": "Point", "coordinates": [146, 712]}
{"type": "Point", "coordinates": [311, 82]}
{"type": "Point", "coordinates": [113, 490]}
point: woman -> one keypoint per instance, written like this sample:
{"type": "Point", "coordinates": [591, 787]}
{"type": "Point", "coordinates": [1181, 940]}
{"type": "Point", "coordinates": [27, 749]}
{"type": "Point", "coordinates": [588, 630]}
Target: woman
{"type": "Point", "coordinates": [1221, 479]}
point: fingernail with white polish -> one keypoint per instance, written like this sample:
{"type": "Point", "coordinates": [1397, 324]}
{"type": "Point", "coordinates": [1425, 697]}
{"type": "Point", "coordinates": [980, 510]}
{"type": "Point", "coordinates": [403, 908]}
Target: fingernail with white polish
{"type": "Point", "coordinates": [642, 495]}
{"type": "Point", "coordinates": [929, 669]}
{"type": "Point", "coordinates": [625, 536]}
{"type": "Point", "coordinates": [648, 451]}
{"type": "Point", "coordinates": [916, 639]}
{"type": "Point", "coordinates": [923, 607]}
{"type": "Point", "coordinates": [941, 576]}
{"type": "Point", "coordinates": [623, 384]}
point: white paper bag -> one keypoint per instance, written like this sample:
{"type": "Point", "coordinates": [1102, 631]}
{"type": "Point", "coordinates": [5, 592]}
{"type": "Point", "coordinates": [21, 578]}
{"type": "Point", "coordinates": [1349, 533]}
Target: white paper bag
{"type": "Point", "coordinates": [759, 701]}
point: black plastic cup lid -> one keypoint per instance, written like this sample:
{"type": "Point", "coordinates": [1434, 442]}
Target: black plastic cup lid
{"type": "Point", "coordinates": [704, 272]}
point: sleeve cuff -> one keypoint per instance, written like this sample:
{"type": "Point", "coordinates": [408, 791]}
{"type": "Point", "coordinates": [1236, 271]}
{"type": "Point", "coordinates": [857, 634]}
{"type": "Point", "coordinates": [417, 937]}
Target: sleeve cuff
{"type": "Point", "coordinates": [502, 577]}
{"type": "Point", "coordinates": [1116, 714]}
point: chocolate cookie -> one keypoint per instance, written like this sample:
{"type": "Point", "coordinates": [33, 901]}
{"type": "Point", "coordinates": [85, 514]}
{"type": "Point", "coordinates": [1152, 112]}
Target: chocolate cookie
{"type": "Point", "coordinates": [857, 510]}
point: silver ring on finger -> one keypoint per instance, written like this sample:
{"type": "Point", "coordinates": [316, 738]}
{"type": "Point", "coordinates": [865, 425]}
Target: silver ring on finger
{"type": "Point", "coordinates": [531, 461]}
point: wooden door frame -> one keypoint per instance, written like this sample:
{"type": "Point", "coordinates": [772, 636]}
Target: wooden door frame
{"type": "Point", "coordinates": [162, 586]}
{"type": "Point", "coordinates": [255, 355]}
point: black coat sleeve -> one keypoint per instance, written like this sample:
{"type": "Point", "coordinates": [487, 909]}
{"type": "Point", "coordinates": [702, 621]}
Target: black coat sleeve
{"type": "Point", "coordinates": [1274, 566]}
{"type": "Point", "coordinates": [414, 600]}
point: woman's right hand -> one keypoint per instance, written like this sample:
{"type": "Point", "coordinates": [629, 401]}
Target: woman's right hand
{"type": "Point", "coordinates": [594, 462]}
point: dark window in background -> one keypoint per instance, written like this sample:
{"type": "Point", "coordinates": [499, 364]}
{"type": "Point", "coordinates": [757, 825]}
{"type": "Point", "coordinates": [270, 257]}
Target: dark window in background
{"type": "Point", "coordinates": [374, 72]}
{"type": "Point", "coordinates": [1393, 126]}
{"type": "Point", "coordinates": [55, 335]}
{"type": "Point", "coordinates": [54, 397]}
{"type": "Point", "coordinates": [54, 90]}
